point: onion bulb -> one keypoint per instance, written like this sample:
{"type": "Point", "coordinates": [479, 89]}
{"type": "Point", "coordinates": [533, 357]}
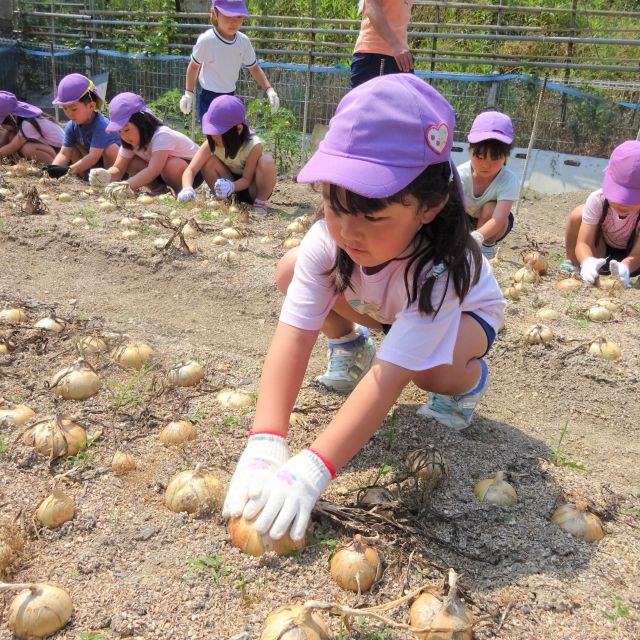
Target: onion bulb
{"type": "Point", "coordinates": [16, 415]}
{"type": "Point", "coordinates": [132, 355]}
{"type": "Point", "coordinates": [249, 541]}
{"type": "Point", "coordinates": [356, 567]}
{"type": "Point", "coordinates": [39, 611]}
{"type": "Point", "coordinates": [231, 233]}
{"type": "Point", "coordinates": [233, 209]}
{"type": "Point", "coordinates": [90, 345]}
{"type": "Point", "coordinates": [186, 374]}
{"type": "Point", "coordinates": [537, 259]}
{"type": "Point", "coordinates": [521, 287]}
{"type": "Point", "coordinates": [108, 206]}
{"type": "Point", "coordinates": [290, 243]}
{"type": "Point", "coordinates": [194, 491]}
{"type": "Point", "coordinates": [606, 349]}
{"type": "Point", "coordinates": [599, 314]}
{"type": "Point", "coordinates": [65, 197]}
{"type": "Point", "coordinates": [219, 240]}
{"type": "Point", "coordinates": [511, 293]}
{"type": "Point", "coordinates": [178, 432]}
{"type": "Point", "coordinates": [234, 399]}
{"type": "Point", "coordinates": [145, 199]}
{"type": "Point", "coordinates": [295, 227]}
{"type": "Point", "coordinates": [129, 233]}
{"type": "Point", "coordinates": [11, 545]}
{"type": "Point", "coordinates": [374, 495]}
{"type": "Point", "coordinates": [609, 304]}
{"type": "Point", "coordinates": [55, 510]}
{"type": "Point", "coordinates": [547, 314]}
{"type": "Point", "coordinates": [609, 283]}
{"type": "Point", "coordinates": [527, 274]}
{"type": "Point", "coordinates": [569, 284]}
{"type": "Point", "coordinates": [496, 491]}
{"type": "Point", "coordinates": [538, 334]}
{"type": "Point", "coordinates": [294, 622]}
{"type": "Point", "coordinates": [13, 315]}
{"type": "Point", "coordinates": [56, 438]}
{"type": "Point", "coordinates": [77, 382]}
{"type": "Point", "coordinates": [427, 465]}
{"type": "Point", "coordinates": [441, 617]}
{"type": "Point", "coordinates": [580, 523]}
{"type": "Point", "coordinates": [50, 323]}
{"type": "Point", "coordinates": [122, 463]}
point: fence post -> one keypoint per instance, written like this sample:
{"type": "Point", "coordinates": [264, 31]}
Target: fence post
{"type": "Point", "coordinates": [494, 92]}
{"type": "Point", "coordinates": [567, 71]}
{"type": "Point", "coordinates": [307, 87]}
{"type": "Point", "coordinates": [434, 43]}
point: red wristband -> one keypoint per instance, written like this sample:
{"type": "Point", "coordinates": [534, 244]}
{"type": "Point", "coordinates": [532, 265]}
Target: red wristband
{"type": "Point", "coordinates": [326, 463]}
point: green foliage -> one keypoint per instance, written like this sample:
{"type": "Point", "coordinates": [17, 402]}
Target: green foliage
{"type": "Point", "coordinates": [322, 536]}
{"type": "Point", "coordinates": [125, 394]}
{"type": "Point", "coordinates": [88, 214]}
{"type": "Point", "coordinates": [558, 457]}
{"type": "Point", "coordinates": [213, 565]}
{"type": "Point", "coordinates": [247, 598]}
{"type": "Point", "coordinates": [620, 609]}
{"type": "Point", "coordinates": [167, 108]}
{"type": "Point", "coordinates": [360, 631]}
{"type": "Point", "coordinates": [3, 445]}
{"type": "Point", "coordinates": [91, 635]}
{"type": "Point", "coordinates": [83, 457]}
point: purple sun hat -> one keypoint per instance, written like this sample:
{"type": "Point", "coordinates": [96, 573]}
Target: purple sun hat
{"type": "Point", "coordinates": [73, 87]}
{"type": "Point", "coordinates": [122, 107]}
{"type": "Point", "coordinates": [384, 134]}
{"type": "Point", "coordinates": [231, 8]}
{"type": "Point", "coordinates": [224, 113]}
{"type": "Point", "coordinates": [621, 182]}
{"type": "Point", "coordinates": [11, 106]}
{"type": "Point", "coordinates": [491, 125]}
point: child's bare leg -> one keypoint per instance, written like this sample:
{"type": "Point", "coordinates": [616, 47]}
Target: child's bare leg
{"type": "Point", "coordinates": [210, 171]}
{"type": "Point", "coordinates": [109, 155]}
{"type": "Point", "coordinates": [136, 165]}
{"type": "Point", "coordinates": [265, 178]}
{"type": "Point", "coordinates": [485, 214]}
{"type": "Point", "coordinates": [172, 172]}
{"type": "Point", "coordinates": [38, 151]}
{"type": "Point", "coordinates": [5, 136]}
{"type": "Point", "coordinates": [571, 234]}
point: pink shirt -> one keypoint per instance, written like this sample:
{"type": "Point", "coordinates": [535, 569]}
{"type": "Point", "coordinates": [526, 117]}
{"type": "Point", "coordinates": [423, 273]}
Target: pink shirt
{"type": "Point", "coordinates": [615, 230]}
{"type": "Point", "coordinates": [397, 14]}
{"type": "Point", "coordinates": [164, 139]}
{"type": "Point", "coordinates": [52, 133]}
{"type": "Point", "coordinates": [416, 341]}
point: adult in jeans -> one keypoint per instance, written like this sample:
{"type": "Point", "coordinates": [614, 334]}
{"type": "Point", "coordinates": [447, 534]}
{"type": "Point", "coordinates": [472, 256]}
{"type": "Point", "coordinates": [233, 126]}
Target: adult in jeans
{"type": "Point", "coordinates": [382, 46]}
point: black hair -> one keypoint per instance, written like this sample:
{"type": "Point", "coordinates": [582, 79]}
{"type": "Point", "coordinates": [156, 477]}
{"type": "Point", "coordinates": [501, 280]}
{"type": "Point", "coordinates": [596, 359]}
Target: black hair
{"type": "Point", "coordinates": [493, 148]}
{"type": "Point", "coordinates": [147, 124]}
{"type": "Point", "coordinates": [632, 236]}
{"type": "Point", "coordinates": [17, 121]}
{"type": "Point", "coordinates": [232, 141]}
{"type": "Point", "coordinates": [446, 239]}
{"type": "Point", "coordinates": [92, 96]}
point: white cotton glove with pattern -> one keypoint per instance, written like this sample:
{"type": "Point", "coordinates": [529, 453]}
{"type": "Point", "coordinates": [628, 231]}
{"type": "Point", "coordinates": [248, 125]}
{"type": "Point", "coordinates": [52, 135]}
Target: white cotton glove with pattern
{"type": "Point", "coordinates": [621, 271]}
{"type": "Point", "coordinates": [274, 101]}
{"type": "Point", "coordinates": [264, 454]}
{"type": "Point", "coordinates": [223, 188]}
{"type": "Point", "coordinates": [99, 177]}
{"type": "Point", "coordinates": [186, 194]}
{"type": "Point", "coordinates": [289, 496]}
{"type": "Point", "coordinates": [119, 189]}
{"type": "Point", "coordinates": [186, 102]}
{"type": "Point", "coordinates": [590, 268]}
{"type": "Point", "coordinates": [478, 237]}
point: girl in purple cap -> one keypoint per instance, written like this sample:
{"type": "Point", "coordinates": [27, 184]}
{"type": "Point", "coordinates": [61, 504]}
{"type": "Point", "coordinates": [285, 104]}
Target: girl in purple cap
{"type": "Point", "coordinates": [27, 131]}
{"type": "Point", "coordinates": [392, 252]}
{"type": "Point", "coordinates": [234, 155]}
{"type": "Point", "coordinates": [152, 155]}
{"type": "Point", "coordinates": [603, 234]}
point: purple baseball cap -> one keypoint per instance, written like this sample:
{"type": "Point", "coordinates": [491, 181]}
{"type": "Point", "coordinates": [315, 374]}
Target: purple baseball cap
{"type": "Point", "coordinates": [11, 106]}
{"type": "Point", "coordinates": [491, 125]}
{"type": "Point", "coordinates": [384, 134]}
{"type": "Point", "coordinates": [224, 113]}
{"type": "Point", "coordinates": [122, 107]}
{"type": "Point", "coordinates": [73, 87]}
{"type": "Point", "coordinates": [231, 8]}
{"type": "Point", "coordinates": [621, 182]}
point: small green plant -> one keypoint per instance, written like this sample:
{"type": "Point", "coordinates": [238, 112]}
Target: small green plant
{"type": "Point", "coordinates": [166, 107]}
{"type": "Point", "coordinates": [91, 635]}
{"type": "Point", "coordinates": [322, 536]}
{"type": "Point", "coordinates": [89, 215]}
{"type": "Point", "coordinates": [633, 512]}
{"type": "Point", "coordinates": [39, 232]}
{"type": "Point", "coordinates": [125, 394]}
{"type": "Point", "coordinates": [621, 611]}
{"type": "Point", "coordinates": [247, 598]}
{"type": "Point", "coordinates": [558, 457]}
{"type": "Point", "coordinates": [206, 216]}
{"type": "Point", "coordinates": [83, 457]}
{"type": "Point", "coordinates": [3, 445]}
{"type": "Point", "coordinates": [360, 631]}
{"type": "Point", "coordinates": [197, 416]}
{"type": "Point", "coordinates": [213, 565]}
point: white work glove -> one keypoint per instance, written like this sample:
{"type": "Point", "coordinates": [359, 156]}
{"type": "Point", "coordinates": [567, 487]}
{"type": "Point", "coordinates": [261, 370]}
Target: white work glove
{"type": "Point", "coordinates": [288, 497]}
{"type": "Point", "coordinates": [223, 188]}
{"type": "Point", "coordinates": [621, 271]}
{"type": "Point", "coordinates": [99, 177]}
{"type": "Point", "coordinates": [590, 268]}
{"type": "Point", "coordinates": [478, 237]}
{"type": "Point", "coordinates": [186, 102]}
{"type": "Point", "coordinates": [119, 189]}
{"type": "Point", "coordinates": [188, 193]}
{"type": "Point", "coordinates": [274, 101]}
{"type": "Point", "coordinates": [264, 454]}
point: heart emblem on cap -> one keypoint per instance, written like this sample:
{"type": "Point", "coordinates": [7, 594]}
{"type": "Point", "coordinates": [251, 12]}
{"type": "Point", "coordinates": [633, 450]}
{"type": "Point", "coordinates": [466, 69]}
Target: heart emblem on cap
{"type": "Point", "coordinates": [437, 137]}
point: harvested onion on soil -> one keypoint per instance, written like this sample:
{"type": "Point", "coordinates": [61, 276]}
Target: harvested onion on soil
{"type": "Point", "coordinates": [547, 314]}
{"type": "Point", "coordinates": [50, 323]}
{"type": "Point", "coordinates": [186, 374]}
{"type": "Point", "coordinates": [145, 199]}
{"type": "Point", "coordinates": [13, 315]}
{"type": "Point", "coordinates": [132, 355]}
{"type": "Point", "coordinates": [11, 545]}
{"type": "Point", "coordinates": [39, 611]}
{"type": "Point", "coordinates": [17, 414]}
{"type": "Point", "coordinates": [580, 523]}
{"type": "Point", "coordinates": [77, 382]}
{"type": "Point", "coordinates": [290, 243]}
{"type": "Point", "coordinates": [178, 432]}
{"type": "Point", "coordinates": [374, 495]}
{"type": "Point", "coordinates": [537, 259]}
{"type": "Point", "coordinates": [231, 233]}
{"type": "Point", "coordinates": [56, 438]}
{"type": "Point", "coordinates": [56, 509]}
{"type": "Point", "coordinates": [538, 334]}
{"type": "Point", "coordinates": [527, 274]}
{"type": "Point", "coordinates": [249, 541]}
{"type": "Point", "coordinates": [194, 491]}
{"type": "Point", "coordinates": [569, 284]}
{"type": "Point", "coordinates": [511, 293]}
{"type": "Point", "coordinates": [294, 622]}
{"type": "Point", "coordinates": [90, 345]}
{"type": "Point", "coordinates": [356, 567]}
{"type": "Point", "coordinates": [227, 257]}
{"type": "Point", "coordinates": [599, 314]}
{"type": "Point", "coordinates": [609, 304]}
{"type": "Point", "coordinates": [609, 283]}
{"type": "Point", "coordinates": [427, 465]}
{"type": "Point", "coordinates": [122, 463]}
{"type": "Point", "coordinates": [234, 399]}
{"type": "Point", "coordinates": [606, 349]}
{"type": "Point", "coordinates": [496, 491]}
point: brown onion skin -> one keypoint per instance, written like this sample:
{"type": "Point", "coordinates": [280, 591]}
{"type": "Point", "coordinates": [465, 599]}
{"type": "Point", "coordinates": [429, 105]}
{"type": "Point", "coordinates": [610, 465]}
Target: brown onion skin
{"type": "Point", "coordinates": [356, 567]}
{"type": "Point", "coordinates": [249, 541]}
{"type": "Point", "coordinates": [39, 612]}
{"type": "Point", "coordinates": [300, 624]}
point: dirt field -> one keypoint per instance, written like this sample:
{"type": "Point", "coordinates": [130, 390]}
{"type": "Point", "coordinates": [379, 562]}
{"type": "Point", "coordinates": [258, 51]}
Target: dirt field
{"type": "Point", "coordinates": [135, 569]}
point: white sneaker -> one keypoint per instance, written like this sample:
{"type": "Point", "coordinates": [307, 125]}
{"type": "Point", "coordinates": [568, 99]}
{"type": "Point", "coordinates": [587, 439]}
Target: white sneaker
{"type": "Point", "coordinates": [347, 362]}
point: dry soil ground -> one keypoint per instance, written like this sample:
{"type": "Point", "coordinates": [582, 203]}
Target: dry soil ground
{"type": "Point", "coordinates": [133, 568]}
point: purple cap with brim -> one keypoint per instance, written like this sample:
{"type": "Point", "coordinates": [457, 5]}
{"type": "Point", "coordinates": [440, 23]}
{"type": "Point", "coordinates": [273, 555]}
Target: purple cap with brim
{"type": "Point", "coordinates": [73, 87]}
{"type": "Point", "coordinates": [122, 107]}
{"type": "Point", "coordinates": [11, 106]}
{"type": "Point", "coordinates": [231, 8]}
{"type": "Point", "coordinates": [621, 182]}
{"type": "Point", "coordinates": [491, 125]}
{"type": "Point", "coordinates": [224, 113]}
{"type": "Point", "coordinates": [384, 134]}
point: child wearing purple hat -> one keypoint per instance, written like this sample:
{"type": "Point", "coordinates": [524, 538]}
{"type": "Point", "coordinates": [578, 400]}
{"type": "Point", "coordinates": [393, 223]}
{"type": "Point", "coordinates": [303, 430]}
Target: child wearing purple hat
{"type": "Point", "coordinates": [152, 154]}
{"type": "Point", "coordinates": [603, 234]}
{"type": "Point", "coordinates": [218, 56]}
{"type": "Point", "coordinates": [233, 155]}
{"type": "Point", "coordinates": [490, 188]}
{"type": "Point", "coordinates": [27, 131]}
{"type": "Point", "coordinates": [392, 252]}
{"type": "Point", "coordinates": [86, 142]}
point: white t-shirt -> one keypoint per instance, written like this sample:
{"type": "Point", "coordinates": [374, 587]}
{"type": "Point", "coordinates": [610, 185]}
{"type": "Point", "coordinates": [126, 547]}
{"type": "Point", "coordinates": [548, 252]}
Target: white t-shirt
{"type": "Point", "coordinates": [52, 133]}
{"type": "Point", "coordinates": [221, 60]}
{"type": "Point", "coordinates": [504, 187]}
{"type": "Point", "coordinates": [416, 341]}
{"type": "Point", "coordinates": [236, 165]}
{"type": "Point", "coordinates": [615, 230]}
{"type": "Point", "coordinates": [164, 139]}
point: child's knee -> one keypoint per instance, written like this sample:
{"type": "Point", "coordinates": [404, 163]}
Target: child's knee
{"type": "Point", "coordinates": [486, 211]}
{"type": "Point", "coordinates": [284, 270]}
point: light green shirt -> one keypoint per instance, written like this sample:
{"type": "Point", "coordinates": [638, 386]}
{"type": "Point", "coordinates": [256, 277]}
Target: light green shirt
{"type": "Point", "coordinates": [504, 187]}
